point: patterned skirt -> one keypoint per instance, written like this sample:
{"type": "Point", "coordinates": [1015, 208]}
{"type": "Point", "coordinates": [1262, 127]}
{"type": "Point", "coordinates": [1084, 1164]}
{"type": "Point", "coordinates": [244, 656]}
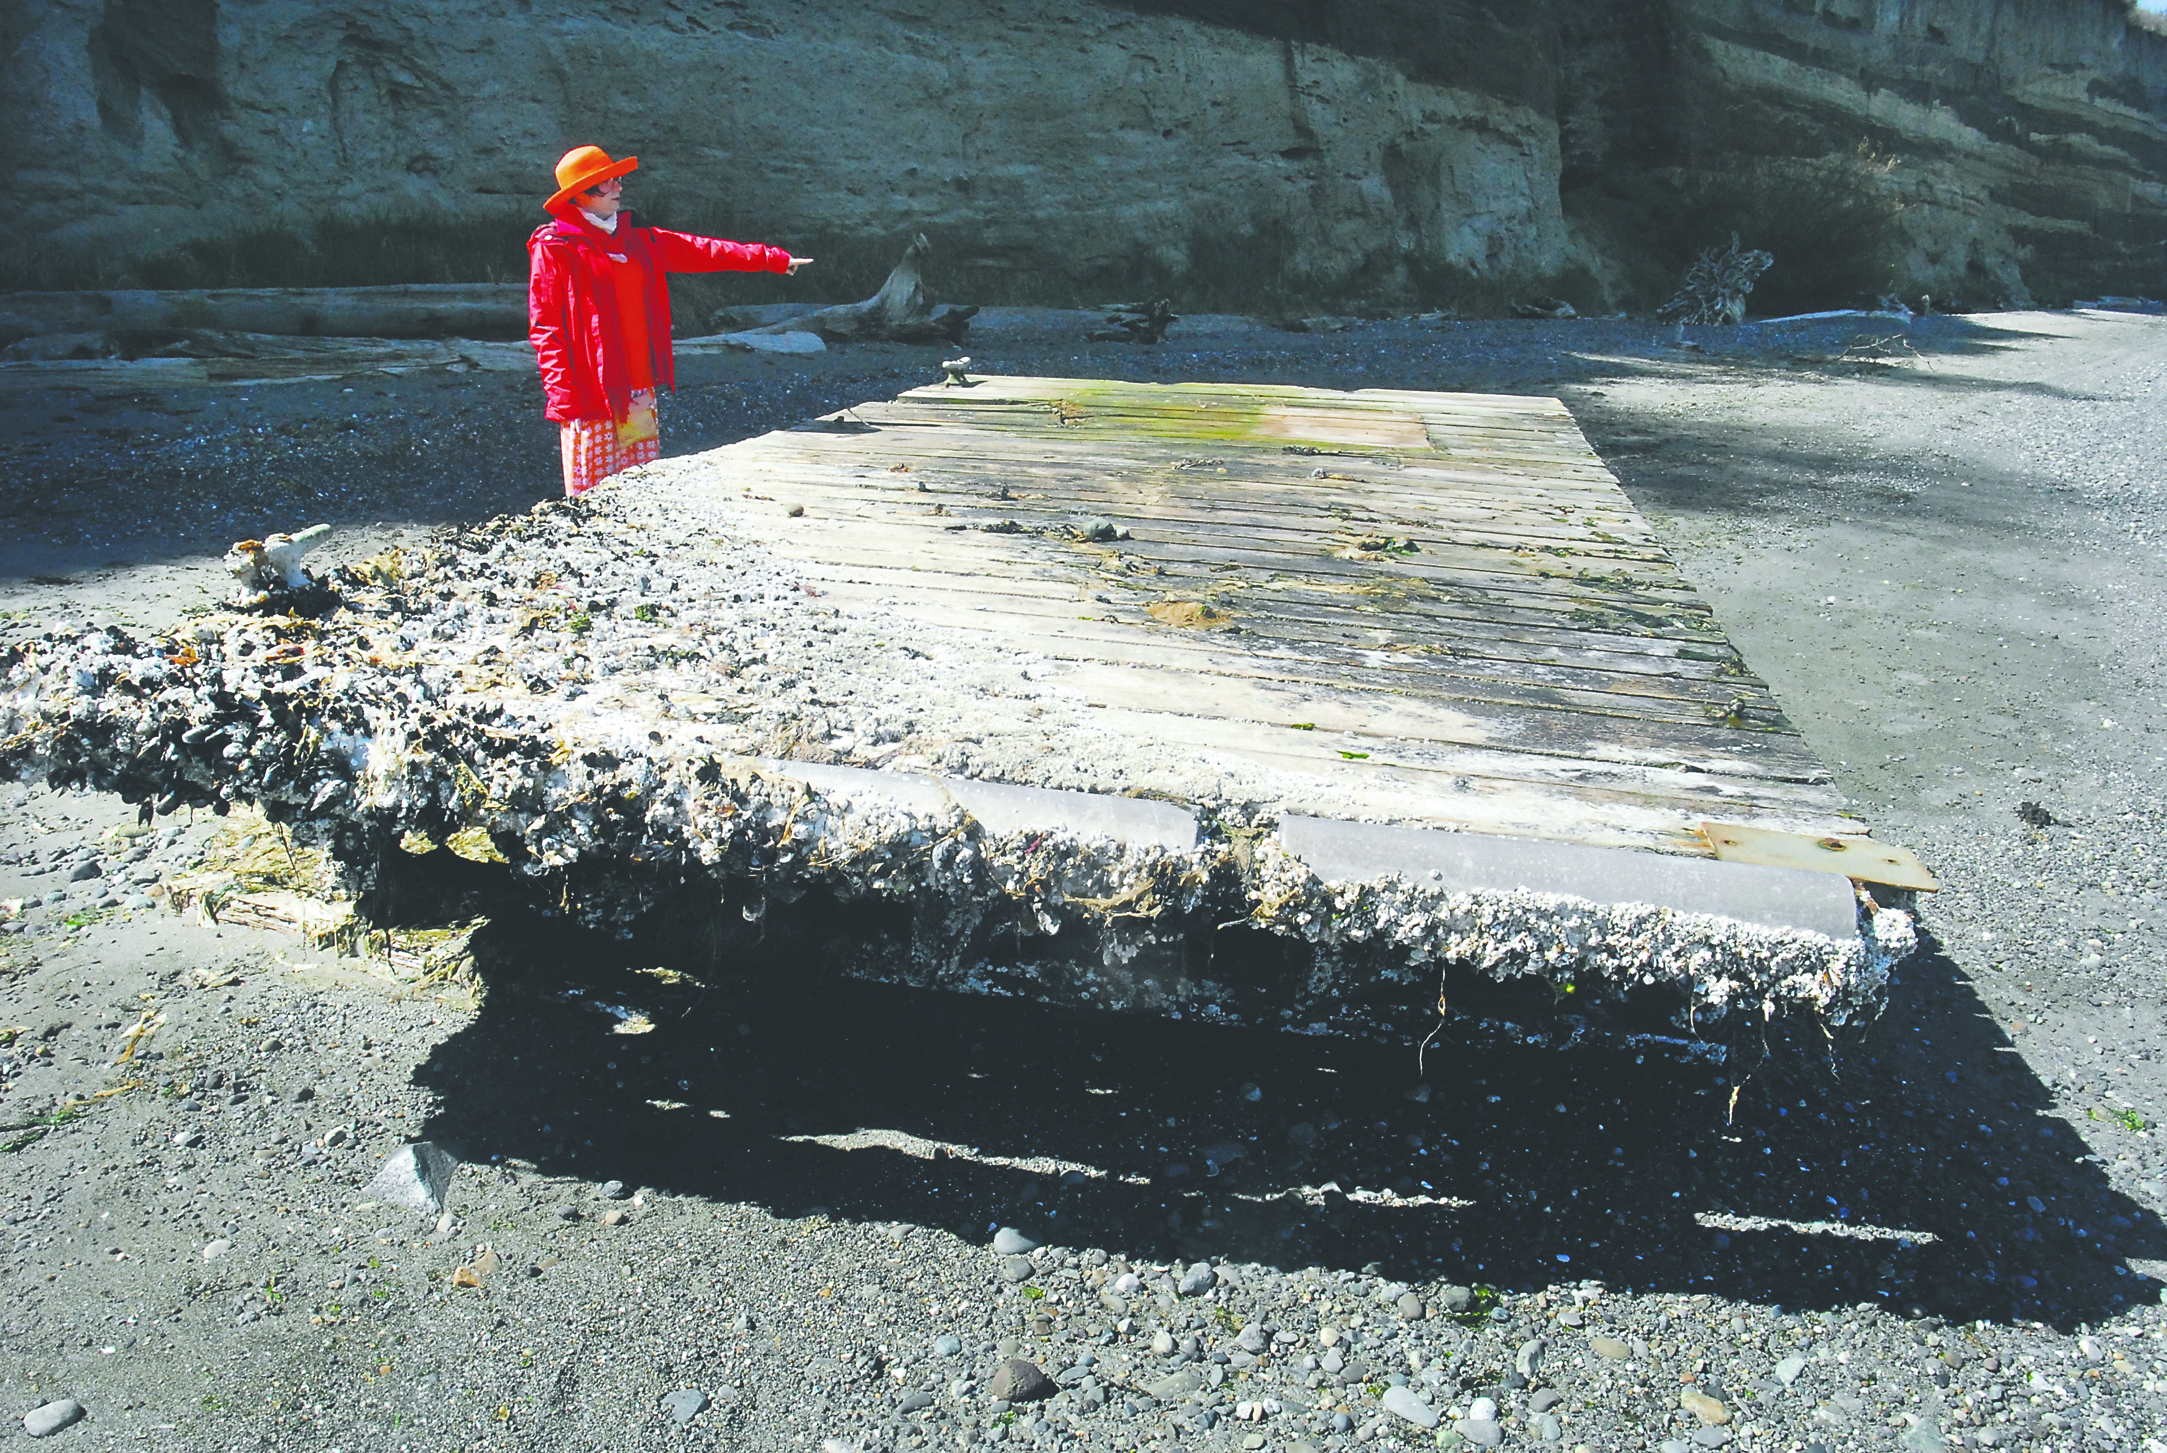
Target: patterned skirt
{"type": "Point", "coordinates": [595, 449]}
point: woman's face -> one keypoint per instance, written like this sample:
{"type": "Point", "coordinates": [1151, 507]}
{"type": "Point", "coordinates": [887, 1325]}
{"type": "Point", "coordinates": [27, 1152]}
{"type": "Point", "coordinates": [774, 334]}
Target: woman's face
{"type": "Point", "coordinates": [604, 200]}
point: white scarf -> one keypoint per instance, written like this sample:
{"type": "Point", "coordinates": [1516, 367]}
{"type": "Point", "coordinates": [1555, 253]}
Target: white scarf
{"type": "Point", "coordinates": [607, 224]}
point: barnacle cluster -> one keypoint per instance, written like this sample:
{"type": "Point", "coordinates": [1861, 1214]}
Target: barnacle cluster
{"type": "Point", "coordinates": [607, 704]}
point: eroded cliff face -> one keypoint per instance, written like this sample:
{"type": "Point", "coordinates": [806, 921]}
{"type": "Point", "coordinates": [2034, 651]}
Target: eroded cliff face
{"type": "Point", "coordinates": [2021, 140]}
{"type": "Point", "coordinates": [1076, 138]}
{"type": "Point", "coordinates": [1382, 146]}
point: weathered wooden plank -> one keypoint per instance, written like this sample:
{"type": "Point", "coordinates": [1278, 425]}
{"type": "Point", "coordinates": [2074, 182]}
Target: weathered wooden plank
{"type": "Point", "coordinates": [1443, 717]}
{"type": "Point", "coordinates": [1169, 568]}
{"type": "Point", "coordinates": [1319, 534]}
{"type": "Point", "coordinates": [1318, 750]}
{"type": "Point", "coordinates": [1062, 495]}
{"type": "Point", "coordinates": [1084, 628]}
{"type": "Point", "coordinates": [1423, 625]}
{"type": "Point", "coordinates": [1538, 665]}
{"type": "Point", "coordinates": [1225, 412]}
{"type": "Point", "coordinates": [1410, 615]}
{"type": "Point", "coordinates": [1533, 499]}
{"type": "Point", "coordinates": [1473, 799]}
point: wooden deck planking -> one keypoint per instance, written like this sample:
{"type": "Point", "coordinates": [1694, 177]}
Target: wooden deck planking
{"type": "Point", "coordinates": [1537, 666]}
{"type": "Point", "coordinates": [1264, 611]}
{"type": "Point", "coordinates": [1474, 553]}
{"type": "Point", "coordinates": [1278, 504]}
{"type": "Point", "coordinates": [1186, 544]}
{"type": "Point", "coordinates": [1052, 607]}
{"type": "Point", "coordinates": [1357, 667]}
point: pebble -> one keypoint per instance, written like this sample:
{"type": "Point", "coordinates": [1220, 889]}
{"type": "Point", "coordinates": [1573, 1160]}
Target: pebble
{"type": "Point", "coordinates": [1482, 1432]}
{"type": "Point", "coordinates": [1545, 1400]}
{"type": "Point", "coordinates": [1199, 1279]}
{"type": "Point", "coordinates": [1528, 1361]}
{"type": "Point", "coordinates": [1162, 1343]}
{"type": "Point", "coordinates": [1019, 1381]}
{"type": "Point", "coordinates": [1548, 1428]}
{"type": "Point", "coordinates": [1482, 1410]}
{"type": "Point", "coordinates": [1924, 1436]}
{"type": "Point", "coordinates": [1251, 1339]}
{"type": "Point", "coordinates": [1788, 1370]}
{"type": "Point", "coordinates": [685, 1404]}
{"type": "Point", "coordinates": [45, 1421]}
{"type": "Point", "coordinates": [1712, 1437]}
{"type": "Point", "coordinates": [1611, 1348]}
{"type": "Point", "coordinates": [1402, 1403]}
{"type": "Point", "coordinates": [1008, 1241]}
{"type": "Point", "coordinates": [1016, 1268]}
{"type": "Point", "coordinates": [948, 1344]}
{"type": "Point", "coordinates": [1175, 1386]}
{"type": "Point", "coordinates": [613, 1190]}
{"type": "Point", "coordinates": [1410, 1306]}
{"type": "Point", "coordinates": [415, 1177]}
{"type": "Point", "coordinates": [1709, 1410]}
{"type": "Point", "coordinates": [216, 1249]}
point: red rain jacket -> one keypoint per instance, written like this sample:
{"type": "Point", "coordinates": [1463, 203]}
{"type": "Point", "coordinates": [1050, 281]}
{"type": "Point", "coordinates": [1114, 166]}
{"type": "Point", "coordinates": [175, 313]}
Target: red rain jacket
{"type": "Point", "coordinates": [572, 304]}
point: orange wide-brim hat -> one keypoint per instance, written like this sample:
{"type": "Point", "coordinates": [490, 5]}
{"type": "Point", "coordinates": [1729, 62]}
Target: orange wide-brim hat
{"type": "Point", "coordinates": [582, 167]}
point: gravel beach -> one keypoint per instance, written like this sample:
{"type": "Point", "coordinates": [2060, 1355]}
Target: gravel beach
{"type": "Point", "coordinates": [722, 1206]}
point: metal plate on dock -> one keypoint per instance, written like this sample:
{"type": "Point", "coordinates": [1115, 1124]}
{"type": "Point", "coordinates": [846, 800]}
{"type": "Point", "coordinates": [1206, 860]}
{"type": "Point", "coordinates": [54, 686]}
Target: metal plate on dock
{"type": "Point", "coordinates": [1437, 610]}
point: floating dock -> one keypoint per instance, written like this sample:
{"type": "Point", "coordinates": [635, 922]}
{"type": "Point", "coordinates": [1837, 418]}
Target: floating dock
{"type": "Point", "coordinates": [1269, 703]}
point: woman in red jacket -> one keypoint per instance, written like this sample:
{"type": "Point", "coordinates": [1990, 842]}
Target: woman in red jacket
{"type": "Point", "coordinates": [598, 309]}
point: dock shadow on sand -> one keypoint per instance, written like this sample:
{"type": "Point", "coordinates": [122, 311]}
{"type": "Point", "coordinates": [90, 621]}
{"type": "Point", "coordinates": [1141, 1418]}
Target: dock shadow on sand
{"type": "Point", "coordinates": [1922, 1169]}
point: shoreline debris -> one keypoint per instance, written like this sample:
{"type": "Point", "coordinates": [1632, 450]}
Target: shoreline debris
{"type": "Point", "coordinates": [901, 312]}
{"type": "Point", "coordinates": [263, 569]}
{"type": "Point", "coordinates": [1556, 309]}
{"type": "Point", "coordinates": [645, 827]}
{"type": "Point", "coordinates": [1716, 286]}
{"type": "Point", "coordinates": [1144, 323]}
{"type": "Point", "coordinates": [625, 716]}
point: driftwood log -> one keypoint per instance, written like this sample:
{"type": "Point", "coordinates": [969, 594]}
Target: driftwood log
{"type": "Point", "coordinates": [1136, 322]}
{"type": "Point", "coordinates": [1544, 307]}
{"type": "Point", "coordinates": [1716, 286]}
{"type": "Point", "coordinates": [422, 310]}
{"type": "Point", "coordinates": [901, 312]}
